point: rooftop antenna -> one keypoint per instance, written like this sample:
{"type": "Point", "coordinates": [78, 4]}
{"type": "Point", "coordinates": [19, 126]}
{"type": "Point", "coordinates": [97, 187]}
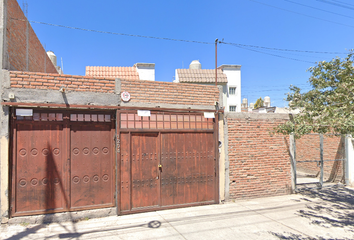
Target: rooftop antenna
{"type": "Point", "coordinates": [25, 8]}
{"type": "Point", "coordinates": [216, 62]}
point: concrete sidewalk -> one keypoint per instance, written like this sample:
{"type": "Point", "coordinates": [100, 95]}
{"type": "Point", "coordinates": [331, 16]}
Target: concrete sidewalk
{"type": "Point", "coordinates": [310, 214]}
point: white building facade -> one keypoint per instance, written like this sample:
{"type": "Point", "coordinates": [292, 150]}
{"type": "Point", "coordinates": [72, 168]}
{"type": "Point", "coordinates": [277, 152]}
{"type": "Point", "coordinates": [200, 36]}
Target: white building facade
{"type": "Point", "coordinates": [229, 77]}
{"type": "Point", "coordinates": [233, 99]}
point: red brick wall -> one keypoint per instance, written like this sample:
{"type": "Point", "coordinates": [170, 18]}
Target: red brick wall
{"type": "Point", "coordinates": [140, 91]}
{"type": "Point", "coordinates": [308, 148]}
{"type": "Point", "coordinates": [55, 82]}
{"type": "Point", "coordinates": [16, 43]}
{"type": "Point", "coordinates": [259, 162]}
{"type": "Point", "coordinates": [172, 93]}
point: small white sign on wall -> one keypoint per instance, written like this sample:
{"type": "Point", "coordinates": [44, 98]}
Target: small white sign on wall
{"type": "Point", "coordinates": [144, 113]}
{"type": "Point", "coordinates": [125, 96]}
{"type": "Point", "coordinates": [209, 115]}
{"type": "Point", "coordinates": [24, 112]}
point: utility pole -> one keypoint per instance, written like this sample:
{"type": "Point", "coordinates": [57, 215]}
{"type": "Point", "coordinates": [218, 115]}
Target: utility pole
{"type": "Point", "coordinates": [216, 62]}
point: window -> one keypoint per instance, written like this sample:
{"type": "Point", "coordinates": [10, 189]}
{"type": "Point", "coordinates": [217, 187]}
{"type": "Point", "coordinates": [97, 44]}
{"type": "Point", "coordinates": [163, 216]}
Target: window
{"type": "Point", "coordinates": [232, 108]}
{"type": "Point", "coordinates": [165, 120]}
{"type": "Point", "coordinates": [232, 90]}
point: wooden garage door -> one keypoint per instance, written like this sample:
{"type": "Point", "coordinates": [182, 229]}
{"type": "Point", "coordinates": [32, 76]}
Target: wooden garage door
{"type": "Point", "coordinates": [166, 169]}
{"type": "Point", "coordinates": [166, 160]}
{"type": "Point", "coordinates": [188, 168]}
{"type": "Point", "coordinates": [62, 161]}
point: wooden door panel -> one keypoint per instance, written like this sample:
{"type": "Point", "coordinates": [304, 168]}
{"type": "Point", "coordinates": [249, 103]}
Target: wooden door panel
{"type": "Point", "coordinates": [144, 170]}
{"type": "Point", "coordinates": [92, 179]}
{"type": "Point", "coordinates": [125, 172]}
{"type": "Point", "coordinates": [39, 181]}
{"type": "Point", "coordinates": [188, 174]}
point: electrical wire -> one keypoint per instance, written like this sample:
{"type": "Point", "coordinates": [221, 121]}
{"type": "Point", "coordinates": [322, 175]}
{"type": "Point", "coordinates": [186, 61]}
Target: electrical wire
{"type": "Point", "coordinates": [281, 49]}
{"type": "Point", "coordinates": [271, 90]}
{"type": "Point", "coordinates": [343, 2]}
{"type": "Point", "coordinates": [115, 33]}
{"type": "Point", "coordinates": [271, 54]}
{"type": "Point", "coordinates": [244, 46]}
{"type": "Point", "coordinates": [276, 88]}
{"type": "Point", "coordinates": [319, 9]}
{"type": "Point", "coordinates": [337, 4]}
{"type": "Point", "coordinates": [283, 9]}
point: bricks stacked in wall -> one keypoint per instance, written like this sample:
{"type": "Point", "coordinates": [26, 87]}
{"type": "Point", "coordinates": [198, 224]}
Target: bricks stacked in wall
{"type": "Point", "coordinates": [16, 34]}
{"type": "Point", "coordinates": [259, 162]}
{"type": "Point", "coordinates": [308, 148]}
{"type": "Point", "coordinates": [170, 93]}
{"type": "Point", "coordinates": [140, 91]}
{"type": "Point", "coordinates": [49, 81]}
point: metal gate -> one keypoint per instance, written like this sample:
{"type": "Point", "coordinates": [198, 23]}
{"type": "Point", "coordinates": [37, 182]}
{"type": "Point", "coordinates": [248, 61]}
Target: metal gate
{"type": "Point", "coordinates": [61, 161]}
{"type": "Point", "coordinates": [319, 159]}
{"type": "Point", "coordinates": [166, 160]}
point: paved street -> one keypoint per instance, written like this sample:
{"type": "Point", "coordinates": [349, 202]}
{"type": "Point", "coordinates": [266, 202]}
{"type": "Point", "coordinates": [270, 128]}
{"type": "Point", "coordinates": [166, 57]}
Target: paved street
{"type": "Point", "coordinates": [310, 214]}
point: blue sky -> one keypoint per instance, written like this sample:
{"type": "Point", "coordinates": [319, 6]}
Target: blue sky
{"type": "Point", "coordinates": [305, 25]}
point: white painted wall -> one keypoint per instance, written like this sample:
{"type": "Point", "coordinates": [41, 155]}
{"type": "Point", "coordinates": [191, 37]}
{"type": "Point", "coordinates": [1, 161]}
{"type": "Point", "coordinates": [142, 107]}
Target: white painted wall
{"type": "Point", "coordinates": [233, 74]}
{"type": "Point", "coordinates": [349, 164]}
{"type": "Point", "coordinates": [146, 71]}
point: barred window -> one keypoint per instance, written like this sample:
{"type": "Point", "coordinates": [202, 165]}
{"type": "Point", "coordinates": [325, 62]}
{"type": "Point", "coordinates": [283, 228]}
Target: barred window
{"type": "Point", "coordinates": [232, 91]}
{"type": "Point", "coordinates": [232, 108]}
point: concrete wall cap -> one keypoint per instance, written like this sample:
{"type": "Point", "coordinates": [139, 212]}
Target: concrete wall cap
{"type": "Point", "coordinates": [230, 66]}
{"type": "Point", "coordinates": [150, 65]}
{"type": "Point", "coordinates": [260, 116]}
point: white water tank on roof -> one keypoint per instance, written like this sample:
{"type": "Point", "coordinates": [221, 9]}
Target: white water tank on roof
{"type": "Point", "coordinates": [52, 57]}
{"type": "Point", "coordinates": [195, 64]}
{"type": "Point", "coordinates": [267, 101]}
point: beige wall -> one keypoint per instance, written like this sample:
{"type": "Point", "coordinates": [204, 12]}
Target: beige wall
{"type": "Point", "coordinates": [4, 198]}
{"type": "Point", "coordinates": [221, 161]}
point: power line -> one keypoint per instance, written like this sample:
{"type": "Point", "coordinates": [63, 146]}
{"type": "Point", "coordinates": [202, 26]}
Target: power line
{"type": "Point", "coordinates": [244, 46]}
{"type": "Point", "coordinates": [281, 49]}
{"type": "Point", "coordinates": [273, 87]}
{"type": "Point", "coordinates": [343, 2]}
{"type": "Point", "coordinates": [283, 9]}
{"type": "Point", "coordinates": [271, 54]}
{"type": "Point", "coordinates": [345, 5]}
{"type": "Point", "coordinates": [115, 33]}
{"type": "Point", "coordinates": [273, 90]}
{"type": "Point", "coordinates": [319, 9]}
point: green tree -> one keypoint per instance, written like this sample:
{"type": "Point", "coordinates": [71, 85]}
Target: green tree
{"type": "Point", "coordinates": [329, 106]}
{"type": "Point", "coordinates": [259, 103]}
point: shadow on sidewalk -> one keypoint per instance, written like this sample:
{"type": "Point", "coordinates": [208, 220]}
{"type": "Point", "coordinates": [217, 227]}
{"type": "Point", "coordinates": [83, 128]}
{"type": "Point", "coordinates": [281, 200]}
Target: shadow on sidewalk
{"type": "Point", "coordinates": [329, 207]}
{"type": "Point", "coordinates": [152, 224]}
{"type": "Point", "coordinates": [334, 210]}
